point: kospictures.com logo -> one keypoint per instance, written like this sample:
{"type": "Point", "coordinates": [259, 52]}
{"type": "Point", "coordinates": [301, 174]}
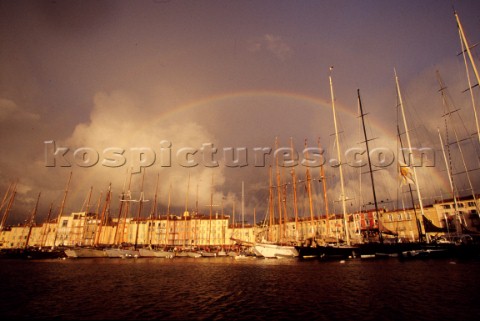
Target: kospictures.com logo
{"type": "Point", "coordinates": [208, 155]}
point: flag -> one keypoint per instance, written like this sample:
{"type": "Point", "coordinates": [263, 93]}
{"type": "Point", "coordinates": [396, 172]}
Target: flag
{"type": "Point", "coordinates": [406, 174]}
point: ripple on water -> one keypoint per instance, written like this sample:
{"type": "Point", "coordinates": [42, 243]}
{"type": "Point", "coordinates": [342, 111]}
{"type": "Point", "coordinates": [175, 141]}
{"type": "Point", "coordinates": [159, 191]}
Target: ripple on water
{"type": "Point", "coordinates": [223, 288]}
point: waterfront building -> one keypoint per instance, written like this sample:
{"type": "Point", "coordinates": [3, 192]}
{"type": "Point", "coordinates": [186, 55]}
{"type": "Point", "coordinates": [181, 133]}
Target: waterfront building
{"type": "Point", "coordinates": [201, 231]}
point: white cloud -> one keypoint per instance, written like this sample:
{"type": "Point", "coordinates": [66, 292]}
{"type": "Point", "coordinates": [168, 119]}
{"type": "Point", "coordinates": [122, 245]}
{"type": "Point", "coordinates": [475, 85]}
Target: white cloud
{"type": "Point", "coordinates": [273, 44]}
{"type": "Point", "coordinates": [119, 121]}
{"type": "Point", "coordinates": [277, 46]}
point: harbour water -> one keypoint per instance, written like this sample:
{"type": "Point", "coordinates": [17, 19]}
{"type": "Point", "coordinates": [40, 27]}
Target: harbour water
{"type": "Point", "coordinates": [248, 289]}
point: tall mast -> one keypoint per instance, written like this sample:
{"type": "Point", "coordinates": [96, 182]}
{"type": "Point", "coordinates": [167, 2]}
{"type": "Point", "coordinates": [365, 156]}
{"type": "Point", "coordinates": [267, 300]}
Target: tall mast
{"type": "Point", "coordinates": [449, 113]}
{"type": "Point", "coordinates": [271, 208]}
{"type": "Point", "coordinates": [467, 46]}
{"type": "Point", "coordinates": [210, 218]}
{"type": "Point", "coordinates": [185, 214]}
{"type": "Point", "coordinates": [279, 195]}
{"type": "Point", "coordinates": [325, 198]}
{"type": "Point", "coordinates": [407, 133]}
{"type": "Point", "coordinates": [285, 210]}
{"type": "Point", "coordinates": [97, 215]}
{"type": "Point", "coordinates": [62, 207]}
{"type": "Point", "coordinates": [102, 217]}
{"type": "Point", "coordinates": [450, 180]}
{"type": "Point", "coordinates": [370, 165]}
{"type": "Point", "coordinates": [470, 86]}
{"type": "Point", "coordinates": [119, 217]}
{"type": "Point", "coordinates": [60, 213]}
{"type": "Point", "coordinates": [153, 215]}
{"type": "Point", "coordinates": [4, 200]}
{"type": "Point", "coordinates": [419, 227]}
{"type": "Point", "coordinates": [154, 206]}
{"type": "Point", "coordinates": [233, 219]}
{"type": "Point", "coordinates": [139, 213]}
{"type": "Point", "coordinates": [43, 239]}
{"type": "Point", "coordinates": [295, 201]}
{"type": "Point", "coordinates": [32, 221]}
{"type": "Point", "coordinates": [339, 156]}
{"type": "Point", "coordinates": [121, 227]}
{"type": "Point", "coordinates": [9, 205]}
{"type": "Point", "coordinates": [243, 206]}
{"type": "Point", "coordinates": [167, 225]}
{"type": "Point", "coordinates": [85, 219]}
{"type": "Point", "coordinates": [309, 191]}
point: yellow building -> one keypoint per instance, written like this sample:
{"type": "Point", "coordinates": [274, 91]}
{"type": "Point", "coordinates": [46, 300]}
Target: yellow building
{"type": "Point", "coordinates": [198, 230]}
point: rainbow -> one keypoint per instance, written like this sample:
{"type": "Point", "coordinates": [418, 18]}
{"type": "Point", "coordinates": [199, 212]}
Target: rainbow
{"type": "Point", "coordinates": [296, 99]}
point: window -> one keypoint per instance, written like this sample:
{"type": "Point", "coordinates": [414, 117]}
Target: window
{"type": "Point", "coordinates": [65, 223]}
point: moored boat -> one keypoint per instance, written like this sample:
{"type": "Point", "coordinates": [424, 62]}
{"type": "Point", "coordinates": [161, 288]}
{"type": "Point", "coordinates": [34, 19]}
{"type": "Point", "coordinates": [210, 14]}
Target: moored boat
{"type": "Point", "coordinates": [85, 252]}
{"type": "Point", "coordinates": [208, 254]}
{"type": "Point", "coordinates": [122, 253]}
{"type": "Point", "coordinates": [270, 250]}
{"type": "Point", "coordinates": [146, 252]}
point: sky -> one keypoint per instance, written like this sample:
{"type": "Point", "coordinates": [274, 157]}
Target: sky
{"type": "Point", "coordinates": [130, 93]}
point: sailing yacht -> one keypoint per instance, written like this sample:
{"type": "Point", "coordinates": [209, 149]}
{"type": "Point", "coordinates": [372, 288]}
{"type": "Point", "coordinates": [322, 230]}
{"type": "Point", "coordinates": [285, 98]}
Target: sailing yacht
{"type": "Point", "coordinates": [268, 248]}
{"type": "Point", "coordinates": [379, 249]}
{"type": "Point", "coordinates": [272, 250]}
{"type": "Point", "coordinates": [337, 250]}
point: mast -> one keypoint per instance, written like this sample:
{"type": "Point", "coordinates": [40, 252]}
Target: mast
{"type": "Point", "coordinates": [9, 205]}
{"type": "Point", "coordinates": [119, 217]}
{"type": "Point", "coordinates": [279, 196]}
{"type": "Point", "coordinates": [233, 219]}
{"type": "Point", "coordinates": [139, 213]}
{"type": "Point", "coordinates": [102, 218]}
{"type": "Point", "coordinates": [210, 217]}
{"type": "Point", "coordinates": [339, 156]}
{"type": "Point", "coordinates": [467, 46]}
{"type": "Point", "coordinates": [243, 206]}
{"type": "Point", "coordinates": [196, 199]}
{"type": "Point", "coordinates": [419, 227]}
{"type": "Point", "coordinates": [85, 219]}
{"type": "Point", "coordinates": [271, 208]}
{"type": "Point", "coordinates": [60, 213]}
{"type": "Point", "coordinates": [127, 209]}
{"type": "Point", "coordinates": [450, 180]}
{"type": "Point", "coordinates": [295, 201]}
{"type": "Point", "coordinates": [285, 210]}
{"type": "Point", "coordinates": [43, 239]}
{"type": "Point", "coordinates": [470, 86]}
{"type": "Point", "coordinates": [154, 207]}
{"type": "Point", "coordinates": [325, 199]}
{"type": "Point", "coordinates": [97, 215]}
{"type": "Point", "coordinates": [370, 166]}
{"type": "Point", "coordinates": [310, 202]}
{"type": "Point", "coordinates": [409, 144]}
{"type": "Point", "coordinates": [449, 114]}
{"type": "Point", "coordinates": [32, 221]}
{"type": "Point", "coordinates": [185, 214]}
{"type": "Point", "coordinates": [153, 215]}
{"type": "Point", "coordinates": [168, 214]}
{"type": "Point", "coordinates": [5, 197]}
